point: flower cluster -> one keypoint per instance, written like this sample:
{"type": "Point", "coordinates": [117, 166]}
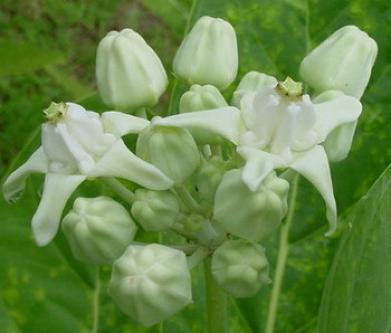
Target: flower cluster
{"type": "Point", "coordinates": [213, 172]}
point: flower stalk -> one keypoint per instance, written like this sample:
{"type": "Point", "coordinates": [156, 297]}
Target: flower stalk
{"type": "Point", "coordinates": [216, 302]}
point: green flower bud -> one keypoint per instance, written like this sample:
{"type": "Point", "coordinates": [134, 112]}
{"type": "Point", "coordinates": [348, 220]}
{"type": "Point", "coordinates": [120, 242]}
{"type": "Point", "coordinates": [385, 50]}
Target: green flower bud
{"type": "Point", "coordinates": [173, 150]}
{"type": "Point", "coordinates": [338, 143]}
{"type": "Point", "coordinates": [192, 223]}
{"type": "Point", "coordinates": [247, 214]}
{"type": "Point", "coordinates": [208, 54]}
{"type": "Point", "coordinates": [343, 62]}
{"type": "Point", "coordinates": [209, 177]}
{"type": "Point", "coordinates": [98, 230]}
{"type": "Point", "coordinates": [129, 73]}
{"type": "Point", "coordinates": [200, 98]}
{"type": "Point", "coordinates": [150, 283]}
{"type": "Point", "coordinates": [155, 210]}
{"type": "Point", "coordinates": [240, 267]}
{"type": "Point", "coordinates": [251, 82]}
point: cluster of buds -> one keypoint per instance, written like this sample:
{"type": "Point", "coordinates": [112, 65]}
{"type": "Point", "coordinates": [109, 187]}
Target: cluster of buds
{"type": "Point", "coordinates": [212, 171]}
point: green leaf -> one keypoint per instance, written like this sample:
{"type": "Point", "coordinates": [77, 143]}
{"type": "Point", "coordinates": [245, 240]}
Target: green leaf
{"type": "Point", "coordinates": [39, 291]}
{"type": "Point", "coordinates": [20, 58]}
{"type": "Point", "coordinates": [358, 290]}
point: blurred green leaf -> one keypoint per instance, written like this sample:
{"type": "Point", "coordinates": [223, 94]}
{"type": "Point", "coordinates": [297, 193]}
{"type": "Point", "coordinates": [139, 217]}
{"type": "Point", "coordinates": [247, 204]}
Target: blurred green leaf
{"type": "Point", "coordinates": [20, 58]}
{"type": "Point", "coordinates": [358, 290]}
{"type": "Point", "coordinates": [39, 290]}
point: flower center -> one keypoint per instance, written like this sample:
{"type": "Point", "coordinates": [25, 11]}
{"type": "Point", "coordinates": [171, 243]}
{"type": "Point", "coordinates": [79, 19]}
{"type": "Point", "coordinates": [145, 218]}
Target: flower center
{"type": "Point", "coordinates": [290, 89]}
{"type": "Point", "coordinates": [55, 112]}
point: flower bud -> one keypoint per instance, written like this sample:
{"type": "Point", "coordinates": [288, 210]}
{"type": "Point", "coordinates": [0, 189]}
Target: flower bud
{"type": "Point", "coordinates": [155, 210]}
{"type": "Point", "coordinates": [209, 177]}
{"type": "Point", "coordinates": [252, 215]}
{"type": "Point", "coordinates": [98, 230]}
{"type": "Point", "coordinates": [172, 150]}
{"type": "Point", "coordinates": [251, 82]}
{"type": "Point", "coordinates": [129, 73]}
{"type": "Point", "coordinates": [240, 267]}
{"type": "Point", "coordinates": [208, 54]}
{"type": "Point", "coordinates": [338, 143]}
{"type": "Point", "coordinates": [342, 62]}
{"type": "Point", "coordinates": [151, 283]}
{"type": "Point", "coordinates": [200, 98]}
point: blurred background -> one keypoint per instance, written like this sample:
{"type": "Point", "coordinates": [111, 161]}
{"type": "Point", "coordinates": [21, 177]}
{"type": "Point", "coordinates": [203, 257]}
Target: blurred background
{"type": "Point", "coordinates": [47, 53]}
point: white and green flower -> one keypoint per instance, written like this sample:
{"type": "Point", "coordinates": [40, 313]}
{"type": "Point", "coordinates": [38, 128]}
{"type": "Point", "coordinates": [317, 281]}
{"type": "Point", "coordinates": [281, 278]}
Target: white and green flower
{"type": "Point", "coordinates": [279, 127]}
{"type": "Point", "coordinates": [76, 145]}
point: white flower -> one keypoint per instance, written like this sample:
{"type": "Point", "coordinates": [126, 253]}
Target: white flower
{"type": "Point", "coordinates": [278, 127]}
{"type": "Point", "coordinates": [77, 144]}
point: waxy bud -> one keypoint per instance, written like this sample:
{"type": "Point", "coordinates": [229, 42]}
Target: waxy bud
{"type": "Point", "coordinates": [129, 73]}
{"type": "Point", "coordinates": [155, 210]}
{"type": "Point", "coordinates": [208, 54]}
{"type": "Point", "coordinates": [200, 98]}
{"type": "Point", "coordinates": [209, 177]}
{"type": "Point", "coordinates": [151, 283]}
{"type": "Point", "coordinates": [98, 230]}
{"type": "Point", "coordinates": [342, 62]}
{"type": "Point", "coordinates": [172, 150]}
{"type": "Point", "coordinates": [240, 267]}
{"type": "Point", "coordinates": [252, 215]}
{"type": "Point", "coordinates": [252, 82]}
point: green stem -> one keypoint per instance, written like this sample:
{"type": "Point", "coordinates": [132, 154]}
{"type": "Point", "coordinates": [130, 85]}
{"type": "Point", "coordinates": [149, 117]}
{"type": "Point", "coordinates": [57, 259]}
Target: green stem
{"type": "Point", "coordinates": [197, 256]}
{"type": "Point", "coordinates": [120, 189]}
{"type": "Point", "coordinates": [95, 303]}
{"type": "Point", "coordinates": [186, 197]}
{"type": "Point", "coordinates": [216, 302]}
{"type": "Point", "coordinates": [283, 251]}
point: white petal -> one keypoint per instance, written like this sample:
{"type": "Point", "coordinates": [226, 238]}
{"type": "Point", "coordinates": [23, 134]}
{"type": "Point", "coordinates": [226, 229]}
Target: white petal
{"type": "Point", "coordinates": [56, 191]}
{"type": "Point", "coordinates": [225, 121]}
{"type": "Point", "coordinates": [260, 114]}
{"type": "Point", "coordinates": [86, 128]}
{"type": "Point", "coordinates": [120, 124]}
{"type": "Point", "coordinates": [335, 112]}
{"type": "Point", "coordinates": [338, 143]}
{"type": "Point", "coordinates": [119, 161]}
{"type": "Point", "coordinates": [60, 158]}
{"type": "Point", "coordinates": [15, 183]}
{"type": "Point", "coordinates": [258, 165]}
{"type": "Point", "coordinates": [314, 166]}
{"type": "Point", "coordinates": [283, 135]}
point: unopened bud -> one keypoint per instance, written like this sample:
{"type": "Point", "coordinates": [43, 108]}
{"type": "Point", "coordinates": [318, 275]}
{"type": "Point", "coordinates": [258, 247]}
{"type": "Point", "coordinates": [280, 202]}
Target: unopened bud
{"type": "Point", "coordinates": [98, 230]}
{"type": "Point", "coordinates": [343, 62]}
{"type": "Point", "coordinates": [151, 283]}
{"type": "Point", "coordinates": [155, 210]}
{"type": "Point", "coordinates": [252, 215]}
{"type": "Point", "coordinates": [208, 54]}
{"type": "Point", "coordinates": [129, 73]}
{"type": "Point", "coordinates": [172, 150]}
{"type": "Point", "coordinates": [209, 177]}
{"type": "Point", "coordinates": [200, 98]}
{"type": "Point", "coordinates": [240, 267]}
